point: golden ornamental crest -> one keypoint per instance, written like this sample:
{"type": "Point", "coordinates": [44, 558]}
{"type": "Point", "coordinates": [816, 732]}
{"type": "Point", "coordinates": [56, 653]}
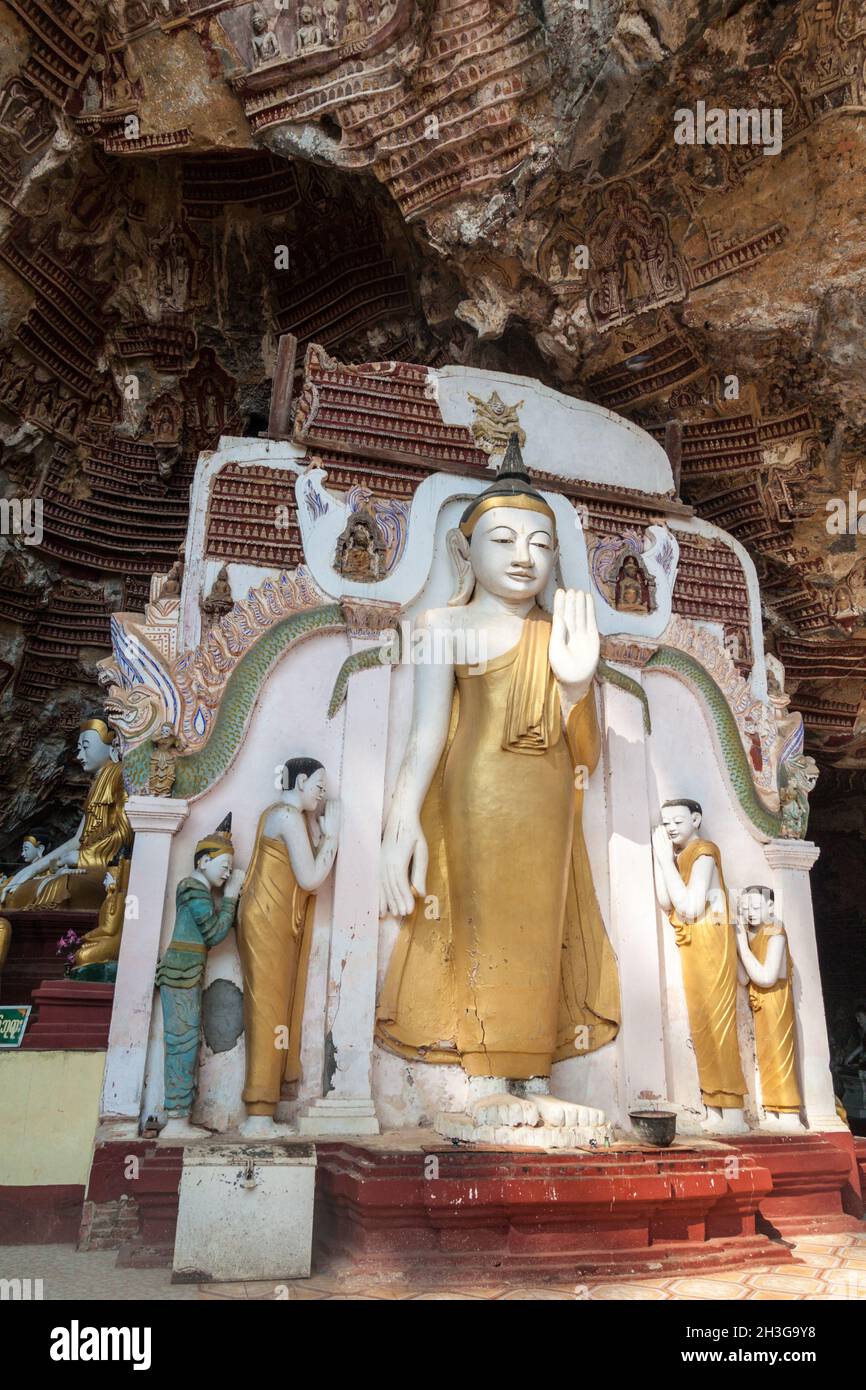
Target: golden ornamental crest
{"type": "Point", "coordinates": [495, 422]}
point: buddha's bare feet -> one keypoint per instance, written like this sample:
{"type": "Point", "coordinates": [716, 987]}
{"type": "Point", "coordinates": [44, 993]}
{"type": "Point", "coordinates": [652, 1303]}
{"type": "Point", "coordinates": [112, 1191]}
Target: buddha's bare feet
{"type": "Point", "coordinates": [501, 1108]}
{"type": "Point", "coordinates": [556, 1112]}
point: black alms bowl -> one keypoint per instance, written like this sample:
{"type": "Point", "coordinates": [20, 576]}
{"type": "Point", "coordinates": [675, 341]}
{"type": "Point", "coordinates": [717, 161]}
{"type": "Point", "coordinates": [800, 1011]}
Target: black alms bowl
{"type": "Point", "coordinates": [655, 1126]}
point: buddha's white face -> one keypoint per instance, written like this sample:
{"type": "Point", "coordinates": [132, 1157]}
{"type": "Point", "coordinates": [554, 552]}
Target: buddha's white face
{"type": "Point", "coordinates": [92, 752]}
{"type": "Point", "coordinates": [30, 852]}
{"type": "Point", "coordinates": [513, 552]}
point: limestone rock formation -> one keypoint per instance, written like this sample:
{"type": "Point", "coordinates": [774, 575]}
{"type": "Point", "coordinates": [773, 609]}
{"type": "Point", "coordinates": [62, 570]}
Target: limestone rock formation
{"type": "Point", "coordinates": [494, 182]}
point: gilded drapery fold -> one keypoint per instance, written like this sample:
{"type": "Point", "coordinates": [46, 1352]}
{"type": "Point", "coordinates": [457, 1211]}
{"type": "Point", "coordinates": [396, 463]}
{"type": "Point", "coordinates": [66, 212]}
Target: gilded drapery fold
{"type": "Point", "coordinates": [505, 966]}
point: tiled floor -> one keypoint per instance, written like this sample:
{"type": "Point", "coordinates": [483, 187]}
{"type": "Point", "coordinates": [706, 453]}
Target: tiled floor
{"type": "Point", "coordinates": [826, 1267]}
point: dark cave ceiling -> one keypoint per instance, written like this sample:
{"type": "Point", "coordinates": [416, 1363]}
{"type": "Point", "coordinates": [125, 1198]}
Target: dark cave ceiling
{"type": "Point", "coordinates": [181, 183]}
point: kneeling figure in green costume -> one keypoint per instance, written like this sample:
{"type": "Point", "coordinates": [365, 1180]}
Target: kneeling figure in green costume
{"type": "Point", "coordinates": [199, 925]}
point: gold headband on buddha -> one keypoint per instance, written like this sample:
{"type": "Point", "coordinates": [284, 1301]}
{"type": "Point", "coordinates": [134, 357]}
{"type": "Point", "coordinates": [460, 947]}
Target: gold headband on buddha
{"type": "Point", "coordinates": [100, 727]}
{"type": "Point", "coordinates": [32, 840]}
{"type": "Point", "coordinates": [218, 843]}
{"type": "Point", "coordinates": [518, 500]}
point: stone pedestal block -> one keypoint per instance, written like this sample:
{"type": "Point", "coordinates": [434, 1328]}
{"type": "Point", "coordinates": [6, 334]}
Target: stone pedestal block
{"type": "Point", "coordinates": [246, 1212]}
{"type": "Point", "coordinates": [72, 1015]}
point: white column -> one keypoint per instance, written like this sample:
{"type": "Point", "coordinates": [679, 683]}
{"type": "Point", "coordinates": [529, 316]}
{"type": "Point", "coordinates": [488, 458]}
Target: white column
{"type": "Point", "coordinates": [347, 1106]}
{"type": "Point", "coordinates": [155, 819]}
{"type": "Point", "coordinates": [634, 918]}
{"type": "Point", "coordinates": [791, 861]}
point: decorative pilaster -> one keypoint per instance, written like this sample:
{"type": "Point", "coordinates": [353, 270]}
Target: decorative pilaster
{"type": "Point", "coordinates": [634, 928]}
{"type": "Point", "coordinates": [791, 861]}
{"type": "Point", "coordinates": [347, 1105]}
{"type": "Point", "coordinates": [155, 820]}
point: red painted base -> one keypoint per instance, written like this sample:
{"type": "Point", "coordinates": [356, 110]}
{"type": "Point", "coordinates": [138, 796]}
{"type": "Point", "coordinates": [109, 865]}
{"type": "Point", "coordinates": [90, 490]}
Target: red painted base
{"type": "Point", "coordinates": [45, 1215]}
{"type": "Point", "coordinates": [860, 1159]}
{"type": "Point", "coordinates": [142, 1173]}
{"type": "Point", "coordinates": [486, 1213]}
{"type": "Point", "coordinates": [479, 1214]}
{"type": "Point", "coordinates": [33, 958]}
{"type": "Point", "coordinates": [813, 1182]}
{"type": "Point", "coordinates": [71, 1016]}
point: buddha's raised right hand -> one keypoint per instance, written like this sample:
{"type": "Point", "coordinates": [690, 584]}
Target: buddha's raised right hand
{"type": "Point", "coordinates": [402, 867]}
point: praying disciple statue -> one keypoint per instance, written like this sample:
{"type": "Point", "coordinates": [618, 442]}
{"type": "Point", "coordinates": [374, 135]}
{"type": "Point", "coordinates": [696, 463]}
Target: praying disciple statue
{"type": "Point", "coordinates": [502, 965]}
{"type": "Point", "coordinates": [690, 887]}
{"type": "Point", "coordinates": [767, 967]}
{"type": "Point", "coordinates": [199, 924]}
{"type": "Point", "coordinates": [295, 848]}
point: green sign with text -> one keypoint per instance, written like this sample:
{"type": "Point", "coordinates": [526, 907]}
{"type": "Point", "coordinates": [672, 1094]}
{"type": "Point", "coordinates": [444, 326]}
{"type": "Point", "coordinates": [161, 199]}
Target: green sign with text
{"type": "Point", "coordinates": [13, 1021]}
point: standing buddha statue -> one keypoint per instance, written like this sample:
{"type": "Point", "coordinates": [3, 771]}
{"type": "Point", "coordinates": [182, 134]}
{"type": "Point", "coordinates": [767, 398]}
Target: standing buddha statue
{"type": "Point", "coordinates": [514, 971]}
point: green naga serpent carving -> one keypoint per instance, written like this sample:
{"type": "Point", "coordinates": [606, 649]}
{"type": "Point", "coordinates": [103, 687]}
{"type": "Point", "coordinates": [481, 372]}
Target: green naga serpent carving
{"type": "Point", "coordinates": [663, 659]}
{"type": "Point", "coordinates": [631, 687]}
{"type": "Point", "coordinates": [198, 771]}
{"type": "Point", "coordinates": [730, 743]}
{"type": "Point", "coordinates": [389, 655]}
{"type": "Point", "coordinates": [360, 661]}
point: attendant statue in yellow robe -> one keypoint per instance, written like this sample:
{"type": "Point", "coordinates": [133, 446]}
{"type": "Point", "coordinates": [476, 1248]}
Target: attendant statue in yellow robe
{"type": "Point", "coordinates": [502, 965]}
{"type": "Point", "coordinates": [101, 946]}
{"type": "Point", "coordinates": [294, 852]}
{"type": "Point", "coordinates": [76, 869]}
{"type": "Point", "coordinates": [766, 967]}
{"type": "Point", "coordinates": [691, 889]}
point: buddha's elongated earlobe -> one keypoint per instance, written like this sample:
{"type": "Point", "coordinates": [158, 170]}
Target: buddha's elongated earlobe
{"type": "Point", "coordinates": [458, 550]}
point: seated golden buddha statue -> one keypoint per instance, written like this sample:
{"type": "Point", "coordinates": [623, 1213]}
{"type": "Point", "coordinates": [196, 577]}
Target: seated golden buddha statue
{"type": "Point", "coordinates": [103, 943]}
{"type": "Point", "coordinates": [32, 848]}
{"type": "Point", "coordinates": [72, 875]}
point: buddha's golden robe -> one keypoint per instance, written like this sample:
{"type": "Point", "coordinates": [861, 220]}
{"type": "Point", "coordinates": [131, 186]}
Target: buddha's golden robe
{"type": "Point", "coordinates": [18, 899]}
{"type": "Point", "coordinates": [773, 1010]}
{"type": "Point", "coordinates": [274, 932]}
{"type": "Point", "coordinates": [106, 832]}
{"type": "Point", "coordinates": [708, 955]}
{"type": "Point", "coordinates": [516, 971]}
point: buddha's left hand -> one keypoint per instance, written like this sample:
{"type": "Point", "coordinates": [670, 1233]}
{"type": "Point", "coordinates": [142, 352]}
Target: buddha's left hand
{"type": "Point", "coordinates": [574, 644]}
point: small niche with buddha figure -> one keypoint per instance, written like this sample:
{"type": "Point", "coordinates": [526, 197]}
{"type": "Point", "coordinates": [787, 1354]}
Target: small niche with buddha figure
{"type": "Point", "coordinates": [361, 548]}
{"type": "Point", "coordinates": [634, 587]}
